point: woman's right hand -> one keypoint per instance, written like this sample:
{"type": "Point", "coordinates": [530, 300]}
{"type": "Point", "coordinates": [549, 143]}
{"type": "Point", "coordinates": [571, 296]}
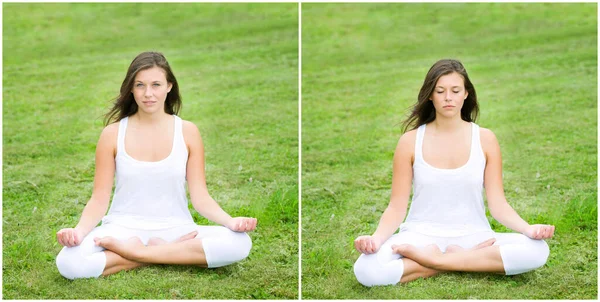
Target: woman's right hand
{"type": "Point", "coordinates": [368, 244]}
{"type": "Point", "coordinates": [70, 237]}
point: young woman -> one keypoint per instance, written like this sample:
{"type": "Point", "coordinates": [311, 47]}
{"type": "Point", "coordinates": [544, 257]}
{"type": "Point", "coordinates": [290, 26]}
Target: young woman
{"type": "Point", "coordinates": [151, 152]}
{"type": "Point", "coordinates": [448, 160]}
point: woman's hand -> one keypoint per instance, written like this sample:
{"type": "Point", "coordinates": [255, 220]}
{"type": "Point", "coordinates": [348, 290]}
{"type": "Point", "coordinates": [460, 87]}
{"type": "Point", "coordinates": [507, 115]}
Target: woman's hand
{"type": "Point", "coordinates": [539, 231]}
{"type": "Point", "coordinates": [368, 244]}
{"type": "Point", "coordinates": [70, 237]}
{"type": "Point", "coordinates": [242, 224]}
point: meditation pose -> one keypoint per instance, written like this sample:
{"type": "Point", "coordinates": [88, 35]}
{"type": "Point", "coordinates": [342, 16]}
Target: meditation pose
{"type": "Point", "coordinates": [447, 160]}
{"type": "Point", "coordinates": [151, 153]}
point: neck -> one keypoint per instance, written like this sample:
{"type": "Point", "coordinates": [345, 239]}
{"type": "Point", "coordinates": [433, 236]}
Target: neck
{"type": "Point", "coordinates": [143, 118]}
{"type": "Point", "coordinates": [448, 125]}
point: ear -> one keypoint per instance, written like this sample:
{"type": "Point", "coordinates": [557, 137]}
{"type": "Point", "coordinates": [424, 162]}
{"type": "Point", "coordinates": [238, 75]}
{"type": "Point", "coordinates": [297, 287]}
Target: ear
{"type": "Point", "coordinates": [169, 87]}
{"type": "Point", "coordinates": [466, 94]}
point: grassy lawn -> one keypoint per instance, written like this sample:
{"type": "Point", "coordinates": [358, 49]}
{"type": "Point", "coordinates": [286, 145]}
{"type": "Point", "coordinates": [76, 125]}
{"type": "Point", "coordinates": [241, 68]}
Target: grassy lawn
{"type": "Point", "coordinates": [534, 67]}
{"type": "Point", "coordinates": [237, 69]}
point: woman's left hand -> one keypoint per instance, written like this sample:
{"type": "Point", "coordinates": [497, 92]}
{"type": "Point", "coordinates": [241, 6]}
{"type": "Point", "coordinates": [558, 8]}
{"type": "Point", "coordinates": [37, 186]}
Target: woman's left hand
{"type": "Point", "coordinates": [539, 231]}
{"type": "Point", "coordinates": [242, 224]}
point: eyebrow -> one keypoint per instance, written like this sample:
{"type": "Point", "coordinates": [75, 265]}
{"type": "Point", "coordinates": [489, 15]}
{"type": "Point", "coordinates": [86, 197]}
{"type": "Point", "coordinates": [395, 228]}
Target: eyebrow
{"type": "Point", "coordinates": [138, 81]}
{"type": "Point", "coordinates": [450, 87]}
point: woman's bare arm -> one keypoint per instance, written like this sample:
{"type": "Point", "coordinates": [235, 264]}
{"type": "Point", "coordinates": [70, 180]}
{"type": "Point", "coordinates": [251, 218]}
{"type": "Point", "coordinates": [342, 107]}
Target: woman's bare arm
{"type": "Point", "coordinates": [401, 186]}
{"type": "Point", "coordinates": [103, 179]}
{"type": "Point", "coordinates": [402, 178]}
{"type": "Point", "coordinates": [196, 179]}
{"type": "Point", "coordinates": [494, 189]}
{"type": "Point", "coordinates": [97, 206]}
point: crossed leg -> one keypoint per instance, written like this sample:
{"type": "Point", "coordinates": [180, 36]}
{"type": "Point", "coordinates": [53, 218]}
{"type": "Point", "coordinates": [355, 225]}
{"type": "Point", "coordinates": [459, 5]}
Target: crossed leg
{"type": "Point", "coordinates": [487, 259]}
{"type": "Point", "coordinates": [133, 253]}
{"type": "Point", "coordinates": [416, 267]}
{"type": "Point", "coordinates": [408, 256]}
{"type": "Point", "coordinates": [116, 251]}
{"type": "Point", "coordinates": [511, 254]}
{"type": "Point", "coordinates": [205, 246]}
{"type": "Point", "coordinates": [111, 248]}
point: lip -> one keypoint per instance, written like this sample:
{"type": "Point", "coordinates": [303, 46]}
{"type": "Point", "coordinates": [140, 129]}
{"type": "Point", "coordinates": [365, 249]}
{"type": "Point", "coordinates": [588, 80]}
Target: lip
{"type": "Point", "coordinates": [448, 106]}
{"type": "Point", "coordinates": [148, 103]}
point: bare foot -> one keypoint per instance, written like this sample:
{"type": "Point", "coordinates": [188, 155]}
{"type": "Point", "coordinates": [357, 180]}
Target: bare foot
{"type": "Point", "coordinates": [427, 256]}
{"type": "Point", "coordinates": [431, 255]}
{"type": "Point", "coordinates": [455, 248]}
{"type": "Point", "coordinates": [159, 241]}
{"type": "Point", "coordinates": [486, 243]}
{"type": "Point", "coordinates": [156, 241]}
{"type": "Point", "coordinates": [188, 236]}
{"type": "Point", "coordinates": [127, 249]}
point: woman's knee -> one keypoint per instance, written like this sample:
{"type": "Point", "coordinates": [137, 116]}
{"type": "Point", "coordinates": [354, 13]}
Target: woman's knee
{"type": "Point", "coordinates": [65, 267]}
{"type": "Point", "coordinates": [543, 251]}
{"type": "Point", "coordinates": [370, 272]}
{"type": "Point", "coordinates": [243, 244]}
{"type": "Point", "coordinates": [364, 270]}
{"type": "Point", "coordinates": [72, 265]}
{"type": "Point", "coordinates": [524, 257]}
{"type": "Point", "coordinates": [537, 253]}
{"type": "Point", "coordinates": [226, 249]}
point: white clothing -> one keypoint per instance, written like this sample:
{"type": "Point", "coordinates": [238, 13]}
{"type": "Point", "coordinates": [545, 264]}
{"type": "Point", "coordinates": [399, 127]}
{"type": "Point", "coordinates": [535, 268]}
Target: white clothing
{"type": "Point", "coordinates": [87, 260]}
{"type": "Point", "coordinates": [150, 195]}
{"type": "Point", "coordinates": [448, 202]}
{"type": "Point", "coordinates": [447, 208]}
{"type": "Point", "coordinates": [150, 201]}
{"type": "Point", "coordinates": [519, 254]}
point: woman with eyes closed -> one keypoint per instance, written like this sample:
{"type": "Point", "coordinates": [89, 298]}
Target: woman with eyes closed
{"type": "Point", "coordinates": [448, 160]}
{"type": "Point", "coordinates": [151, 152]}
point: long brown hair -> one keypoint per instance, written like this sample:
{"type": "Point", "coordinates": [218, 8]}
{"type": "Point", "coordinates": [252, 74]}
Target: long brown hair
{"type": "Point", "coordinates": [423, 111]}
{"type": "Point", "coordinates": [124, 105]}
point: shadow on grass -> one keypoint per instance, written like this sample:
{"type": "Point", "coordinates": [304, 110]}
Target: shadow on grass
{"type": "Point", "coordinates": [450, 285]}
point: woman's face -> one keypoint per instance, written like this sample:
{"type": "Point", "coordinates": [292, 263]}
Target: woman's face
{"type": "Point", "coordinates": [150, 89]}
{"type": "Point", "coordinates": [449, 95]}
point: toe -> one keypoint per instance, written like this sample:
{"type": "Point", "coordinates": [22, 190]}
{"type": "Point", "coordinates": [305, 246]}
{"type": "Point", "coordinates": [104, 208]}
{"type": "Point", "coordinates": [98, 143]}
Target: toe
{"type": "Point", "coordinates": [103, 242]}
{"type": "Point", "coordinates": [188, 236]}
{"type": "Point", "coordinates": [453, 248]}
{"type": "Point", "coordinates": [155, 241]}
{"type": "Point", "coordinates": [486, 243]}
{"type": "Point", "coordinates": [402, 249]}
{"type": "Point", "coordinates": [135, 240]}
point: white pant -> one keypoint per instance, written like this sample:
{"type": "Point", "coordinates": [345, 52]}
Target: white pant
{"type": "Point", "coordinates": [221, 247]}
{"type": "Point", "coordinates": [519, 254]}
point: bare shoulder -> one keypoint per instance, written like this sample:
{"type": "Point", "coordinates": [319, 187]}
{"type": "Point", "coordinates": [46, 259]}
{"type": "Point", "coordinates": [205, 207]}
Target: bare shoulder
{"type": "Point", "coordinates": [406, 145]}
{"type": "Point", "coordinates": [489, 142]}
{"type": "Point", "coordinates": [191, 134]}
{"type": "Point", "coordinates": [108, 138]}
{"type": "Point", "coordinates": [408, 139]}
{"type": "Point", "coordinates": [112, 129]}
{"type": "Point", "coordinates": [487, 136]}
{"type": "Point", "coordinates": [189, 127]}
{"type": "Point", "coordinates": [110, 133]}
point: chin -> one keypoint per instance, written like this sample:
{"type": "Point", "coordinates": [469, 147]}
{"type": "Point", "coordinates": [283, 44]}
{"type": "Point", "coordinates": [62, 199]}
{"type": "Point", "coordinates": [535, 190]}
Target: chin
{"type": "Point", "coordinates": [448, 115]}
{"type": "Point", "coordinates": [152, 111]}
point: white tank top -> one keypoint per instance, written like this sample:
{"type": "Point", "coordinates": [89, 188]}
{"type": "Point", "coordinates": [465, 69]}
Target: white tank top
{"type": "Point", "coordinates": [150, 195]}
{"type": "Point", "coordinates": [448, 202]}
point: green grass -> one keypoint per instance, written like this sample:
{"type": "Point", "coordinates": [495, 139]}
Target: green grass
{"type": "Point", "coordinates": [535, 70]}
{"type": "Point", "coordinates": [237, 67]}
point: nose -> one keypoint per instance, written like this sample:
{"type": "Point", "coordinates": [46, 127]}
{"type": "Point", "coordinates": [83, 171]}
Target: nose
{"type": "Point", "coordinates": [448, 98]}
{"type": "Point", "coordinates": [148, 92]}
